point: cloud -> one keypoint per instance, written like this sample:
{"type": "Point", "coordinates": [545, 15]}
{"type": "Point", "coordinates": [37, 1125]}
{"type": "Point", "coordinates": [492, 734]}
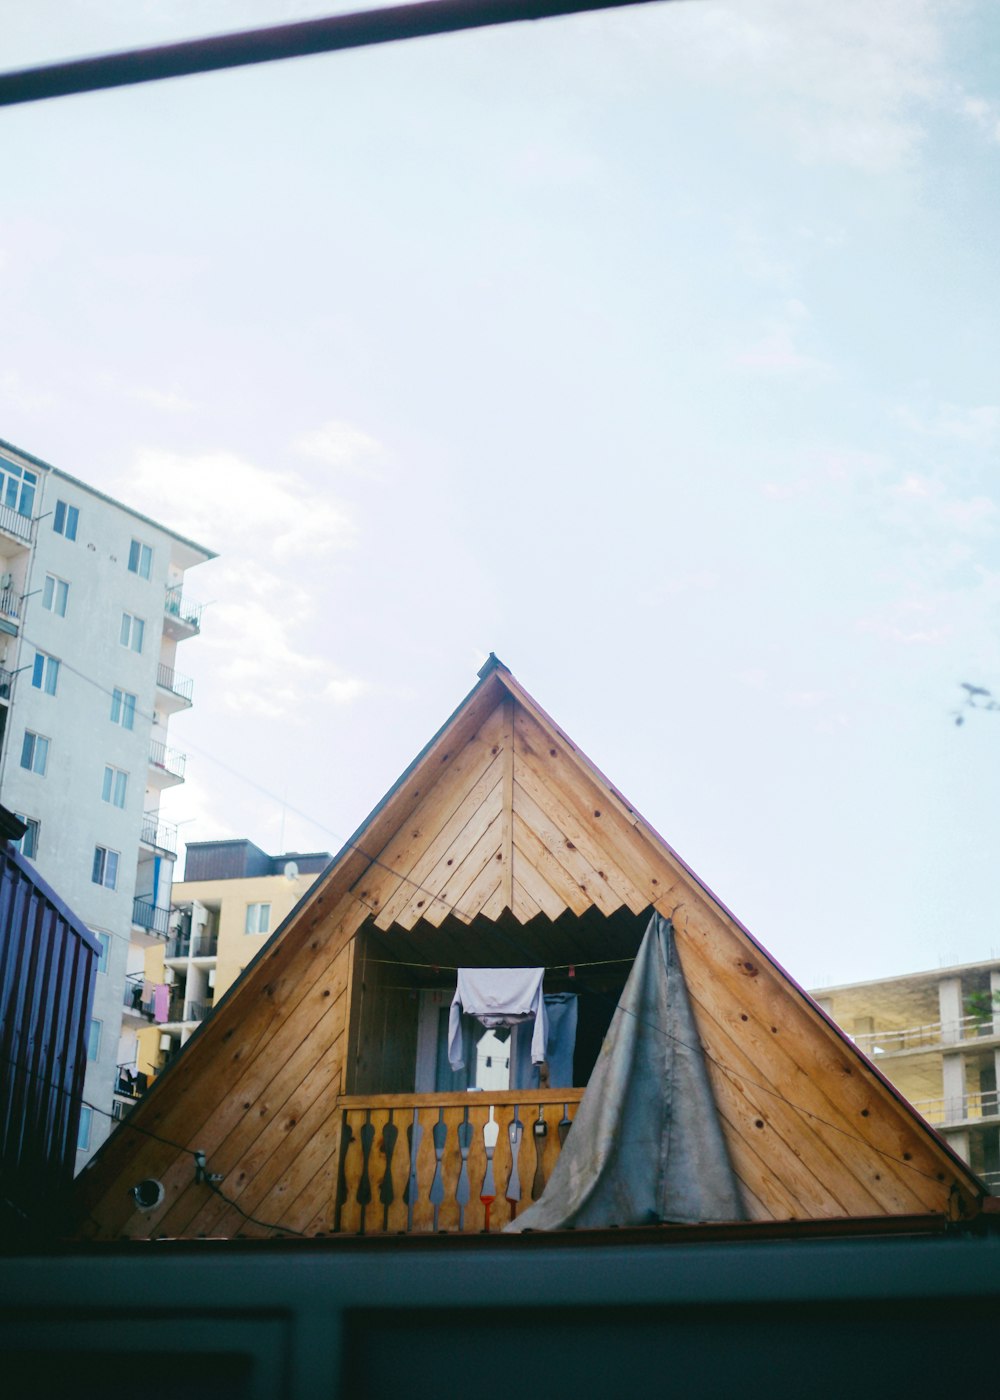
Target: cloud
{"type": "Point", "coordinates": [844, 84]}
{"type": "Point", "coordinates": [226, 501]}
{"type": "Point", "coordinates": [777, 351]}
{"type": "Point", "coordinates": [979, 426]}
{"type": "Point", "coordinates": [168, 401]}
{"type": "Point", "coordinates": [339, 445]}
{"type": "Point", "coordinates": [983, 115]}
{"type": "Point", "coordinates": [263, 640]}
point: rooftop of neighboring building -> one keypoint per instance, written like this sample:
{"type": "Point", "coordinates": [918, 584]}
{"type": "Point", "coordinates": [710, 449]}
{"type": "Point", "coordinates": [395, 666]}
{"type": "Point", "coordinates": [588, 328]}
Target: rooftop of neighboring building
{"type": "Point", "coordinates": [239, 859]}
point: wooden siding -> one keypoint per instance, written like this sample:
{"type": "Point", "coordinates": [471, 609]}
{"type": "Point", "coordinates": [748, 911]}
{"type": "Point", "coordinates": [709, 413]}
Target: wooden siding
{"type": "Point", "coordinates": [501, 824]}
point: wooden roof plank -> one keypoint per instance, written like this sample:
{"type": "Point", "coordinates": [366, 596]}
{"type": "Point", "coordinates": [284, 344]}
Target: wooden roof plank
{"type": "Point", "coordinates": [562, 848]}
{"type": "Point", "coordinates": [458, 863]}
{"type": "Point", "coordinates": [529, 850]}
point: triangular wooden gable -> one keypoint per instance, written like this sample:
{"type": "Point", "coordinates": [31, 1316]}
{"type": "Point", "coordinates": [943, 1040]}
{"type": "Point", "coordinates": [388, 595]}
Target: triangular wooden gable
{"type": "Point", "coordinates": [502, 820]}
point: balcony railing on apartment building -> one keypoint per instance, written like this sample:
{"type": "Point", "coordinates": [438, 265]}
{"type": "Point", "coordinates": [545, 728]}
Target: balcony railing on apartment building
{"type": "Point", "coordinates": [131, 1083]}
{"type": "Point", "coordinates": [132, 998]}
{"type": "Point", "coordinates": [195, 945]}
{"type": "Point", "coordinates": [181, 1011]}
{"type": "Point", "coordinates": [933, 1034]}
{"type": "Point", "coordinates": [10, 603]}
{"type": "Point", "coordinates": [180, 686]}
{"type": "Point", "coordinates": [176, 605]}
{"type": "Point", "coordinates": [22, 526]}
{"type": "Point", "coordinates": [960, 1108]}
{"type": "Point", "coordinates": [162, 835]}
{"type": "Point", "coordinates": [169, 760]}
{"type": "Point", "coordinates": [149, 917]}
{"type": "Point", "coordinates": [6, 683]}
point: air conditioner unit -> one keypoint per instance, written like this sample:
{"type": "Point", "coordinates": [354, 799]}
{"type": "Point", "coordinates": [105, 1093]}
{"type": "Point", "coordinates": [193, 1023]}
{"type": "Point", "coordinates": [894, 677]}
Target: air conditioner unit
{"type": "Point", "coordinates": [6, 581]}
{"type": "Point", "coordinates": [166, 1040]}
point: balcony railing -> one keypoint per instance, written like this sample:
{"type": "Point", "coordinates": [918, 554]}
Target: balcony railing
{"type": "Point", "coordinates": [176, 605]}
{"type": "Point", "coordinates": [162, 835]}
{"type": "Point", "coordinates": [169, 760]}
{"type": "Point", "coordinates": [150, 917]}
{"type": "Point", "coordinates": [15, 523]}
{"type": "Point", "coordinates": [934, 1033]}
{"type": "Point", "coordinates": [131, 1085]}
{"type": "Point", "coordinates": [960, 1108]}
{"type": "Point", "coordinates": [197, 945]}
{"type": "Point", "coordinates": [6, 683]}
{"type": "Point", "coordinates": [180, 686]}
{"type": "Point", "coordinates": [10, 603]}
{"type": "Point", "coordinates": [132, 998]}
{"type": "Point", "coordinates": [181, 1010]}
{"type": "Point", "coordinates": [416, 1163]}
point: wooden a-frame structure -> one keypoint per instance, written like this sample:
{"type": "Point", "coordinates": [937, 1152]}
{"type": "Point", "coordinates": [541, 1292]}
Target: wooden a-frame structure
{"type": "Point", "coordinates": [500, 845]}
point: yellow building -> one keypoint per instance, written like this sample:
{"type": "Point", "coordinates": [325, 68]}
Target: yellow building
{"type": "Point", "coordinates": [233, 897]}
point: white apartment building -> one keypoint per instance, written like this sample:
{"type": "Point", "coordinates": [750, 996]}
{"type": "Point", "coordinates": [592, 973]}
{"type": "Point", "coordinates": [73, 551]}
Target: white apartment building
{"type": "Point", "coordinates": [92, 608]}
{"type": "Point", "coordinates": [936, 1037]}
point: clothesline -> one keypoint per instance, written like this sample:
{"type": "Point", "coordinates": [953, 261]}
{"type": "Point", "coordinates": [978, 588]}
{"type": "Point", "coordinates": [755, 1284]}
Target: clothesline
{"type": "Point", "coordinates": [450, 967]}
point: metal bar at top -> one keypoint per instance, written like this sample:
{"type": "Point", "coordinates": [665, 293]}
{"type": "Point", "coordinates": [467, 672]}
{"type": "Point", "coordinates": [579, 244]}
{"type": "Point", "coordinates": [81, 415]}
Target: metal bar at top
{"type": "Point", "coordinates": [237, 50]}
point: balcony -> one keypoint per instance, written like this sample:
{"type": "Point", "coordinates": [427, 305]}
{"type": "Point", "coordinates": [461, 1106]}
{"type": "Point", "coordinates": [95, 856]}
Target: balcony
{"type": "Point", "coordinates": [12, 522]}
{"type": "Point", "coordinates": [130, 1083]}
{"type": "Point", "coordinates": [181, 618]}
{"type": "Point", "coordinates": [975, 1107]}
{"type": "Point", "coordinates": [418, 1163]}
{"type": "Point", "coordinates": [160, 835]}
{"type": "Point", "coordinates": [195, 945]}
{"type": "Point", "coordinates": [166, 765]}
{"type": "Point", "coordinates": [932, 1035]}
{"type": "Point", "coordinates": [10, 604]}
{"type": "Point", "coordinates": [132, 999]}
{"type": "Point", "coordinates": [178, 691]}
{"type": "Point", "coordinates": [147, 916]}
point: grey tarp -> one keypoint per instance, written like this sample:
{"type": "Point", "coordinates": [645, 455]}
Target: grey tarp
{"type": "Point", "coordinates": [646, 1143]}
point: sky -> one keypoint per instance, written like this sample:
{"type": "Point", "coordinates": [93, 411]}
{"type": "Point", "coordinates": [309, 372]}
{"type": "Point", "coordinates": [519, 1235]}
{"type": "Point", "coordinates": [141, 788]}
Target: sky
{"type": "Point", "coordinates": [656, 351]}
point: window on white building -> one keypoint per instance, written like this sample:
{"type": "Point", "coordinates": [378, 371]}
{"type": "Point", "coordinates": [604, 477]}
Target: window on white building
{"type": "Point", "coordinates": [45, 673]}
{"type": "Point", "coordinates": [55, 593]}
{"type": "Point", "coordinates": [123, 708]}
{"type": "Point", "coordinates": [28, 844]}
{"type": "Point", "coordinates": [140, 558]}
{"type": "Point", "coordinates": [83, 1136]}
{"type": "Point", "coordinates": [115, 787]}
{"type": "Point", "coordinates": [35, 753]}
{"type": "Point", "coordinates": [258, 918]}
{"type": "Point", "coordinates": [104, 939]}
{"type": "Point", "coordinates": [105, 871]}
{"type": "Point", "coordinates": [94, 1039]}
{"type": "Point", "coordinates": [131, 632]}
{"type": "Point", "coordinates": [65, 520]}
{"type": "Point", "coordinates": [17, 487]}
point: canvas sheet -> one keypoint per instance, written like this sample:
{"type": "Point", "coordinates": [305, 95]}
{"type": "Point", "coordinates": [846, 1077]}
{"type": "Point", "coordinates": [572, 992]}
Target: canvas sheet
{"type": "Point", "coordinates": [646, 1144]}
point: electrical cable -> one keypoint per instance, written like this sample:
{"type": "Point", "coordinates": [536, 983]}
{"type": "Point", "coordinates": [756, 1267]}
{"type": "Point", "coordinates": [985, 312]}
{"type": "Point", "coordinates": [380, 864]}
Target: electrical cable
{"type": "Point", "coordinates": [126, 1122]}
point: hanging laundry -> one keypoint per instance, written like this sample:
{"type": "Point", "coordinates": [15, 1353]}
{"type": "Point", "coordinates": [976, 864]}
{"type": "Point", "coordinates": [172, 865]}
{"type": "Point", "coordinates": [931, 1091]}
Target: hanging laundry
{"type": "Point", "coordinates": [560, 1045]}
{"type": "Point", "coordinates": [161, 1002]}
{"type": "Point", "coordinates": [497, 996]}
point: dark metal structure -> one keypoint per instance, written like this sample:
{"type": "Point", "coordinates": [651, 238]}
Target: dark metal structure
{"type": "Point", "coordinates": [48, 961]}
{"type": "Point", "coordinates": [352, 31]}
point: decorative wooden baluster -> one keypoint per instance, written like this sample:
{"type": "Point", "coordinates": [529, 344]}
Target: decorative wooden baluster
{"type": "Point", "coordinates": [385, 1193]}
{"type": "Point", "coordinates": [463, 1190]}
{"type": "Point", "coordinates": [539, 1131]}
{"type": "Point", "coordinates": [365, 1185]}
{"type": "Point", "coordinates": [488, 1194]}
{"type": "Point", "coordinates": [515, 1131]}
{"type": "Point", "coordinates": [414, 1134]}
{"type": "Point", "coordinates": [565, 1123]}
{"type": "Point", "coordinates": [346, 1138]}
{"type": "Point", "coordinates": [439, 1133]}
